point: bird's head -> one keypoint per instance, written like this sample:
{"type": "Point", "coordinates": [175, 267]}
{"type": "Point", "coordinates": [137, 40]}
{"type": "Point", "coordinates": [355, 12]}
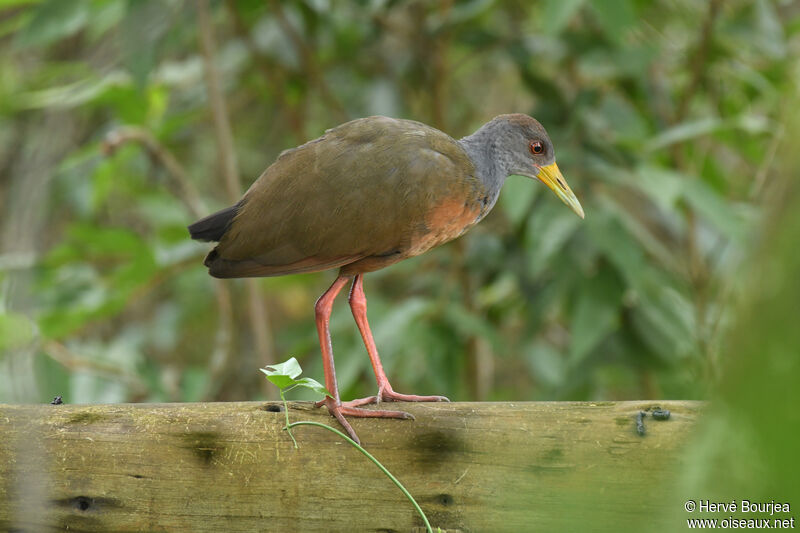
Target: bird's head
{"type": "Point", "coordinates": [522, 147]}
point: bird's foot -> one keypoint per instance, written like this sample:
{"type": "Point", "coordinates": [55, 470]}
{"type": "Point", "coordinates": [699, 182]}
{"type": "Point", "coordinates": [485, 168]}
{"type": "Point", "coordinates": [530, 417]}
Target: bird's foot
{"type": "Point", "coordinates": [340, 410]}
{"type": "Point", "coordinates": [386, 394]}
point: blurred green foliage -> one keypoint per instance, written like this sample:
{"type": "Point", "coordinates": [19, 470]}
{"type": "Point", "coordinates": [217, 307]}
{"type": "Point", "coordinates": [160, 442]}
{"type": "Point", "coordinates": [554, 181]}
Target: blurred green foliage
{"type": "Point", "coordinates": [666, 118]}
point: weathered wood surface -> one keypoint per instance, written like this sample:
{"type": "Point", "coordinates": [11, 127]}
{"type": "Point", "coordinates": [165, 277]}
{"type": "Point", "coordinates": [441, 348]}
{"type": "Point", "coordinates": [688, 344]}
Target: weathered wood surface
{"type": "Point", "coordinates": [229, 467]}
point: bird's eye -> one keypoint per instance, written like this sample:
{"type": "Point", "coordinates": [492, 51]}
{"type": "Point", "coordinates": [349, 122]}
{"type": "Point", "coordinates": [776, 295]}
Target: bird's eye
{"type": "Point", "coordinates": [537, 147]}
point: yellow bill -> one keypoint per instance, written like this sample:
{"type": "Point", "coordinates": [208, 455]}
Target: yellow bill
{"type": "Point", "coordinates": [551, 176]}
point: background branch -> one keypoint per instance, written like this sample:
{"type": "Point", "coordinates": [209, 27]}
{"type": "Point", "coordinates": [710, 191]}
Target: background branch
{"type": "Point", "coordinates": [259, 323]}
{"type": "Point", "coordinates": [180, 184]}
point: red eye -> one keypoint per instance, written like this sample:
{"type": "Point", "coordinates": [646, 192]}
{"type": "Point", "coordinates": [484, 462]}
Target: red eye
{"type": "Point", "coordinates": [537, 147]}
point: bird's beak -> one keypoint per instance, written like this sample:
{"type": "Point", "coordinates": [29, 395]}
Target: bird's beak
{"type": "Point", "coordinates": [551, 176]}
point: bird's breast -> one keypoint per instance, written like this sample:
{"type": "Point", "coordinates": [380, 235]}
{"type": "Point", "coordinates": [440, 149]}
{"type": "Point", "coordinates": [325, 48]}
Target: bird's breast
{"type": "Point", "coordinates": [446, 221]}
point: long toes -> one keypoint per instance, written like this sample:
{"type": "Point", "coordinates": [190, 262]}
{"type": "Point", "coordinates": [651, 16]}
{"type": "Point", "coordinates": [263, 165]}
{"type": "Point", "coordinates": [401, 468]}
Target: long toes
{"type": "Point", "coordinates": [375, 413]}
{"type": "Point", "coordinates": [397, 397]}
{"type": "Point", "coordinates": [361, 401]}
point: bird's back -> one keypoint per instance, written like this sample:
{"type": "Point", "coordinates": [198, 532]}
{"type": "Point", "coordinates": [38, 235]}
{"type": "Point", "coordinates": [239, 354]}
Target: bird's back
{"type": "Point", "coordinates": [366, 194]}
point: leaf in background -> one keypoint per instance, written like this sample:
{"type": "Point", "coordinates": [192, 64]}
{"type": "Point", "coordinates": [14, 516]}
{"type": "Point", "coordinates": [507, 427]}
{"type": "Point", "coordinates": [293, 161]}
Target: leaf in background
{"type": "Point", "coordinates": [622, 120]}
{"type": "Point", "coordinates": [5, 4]}
{"type": "Point", "coordinates": [146, 21]}
{"type": "Point", "coordinates": [12, 22]}
{"type": "Point", "coordinates": [16, 331]}
{"type": "Point", "coordinates": [83, 293]}
{"type": "Point", "coordinates": [665, 322]}
{"type": "Point", "coordinates": [684, 132]}
{"type": "Point", "coordinates": [194, 383]}
{"type": "Point", "coordinates": [596, 314]}
{"type": "Point", "coordinates": [616, 17]}
{"type": "Point", "coordinates": [54, 20]}
{"type": "Point", "coordinates": [468, 324]}
{"type": "Point", "coordinates": [546, 363]}
{"type": "Point", "coordinates": [72, 94]}
{"type": "Point", "coordinates": [614, 241]}
{"type": "Point", "coordinates": [556, 14]}
{"type": "Point", "coordinates": [549, 228]}
{"type": "Point", "coordinates": [714, 208]}
{"type": "Point", "coordinates": [391, 332]}
{"type": "Point", "coordinates": [516, 196]}
{"type": "Point", "coordinates": [663, 186]}
{"type": "Point", "coordinates": [771, 37]}
{"type": "Point", "coordinates": [659, 246]}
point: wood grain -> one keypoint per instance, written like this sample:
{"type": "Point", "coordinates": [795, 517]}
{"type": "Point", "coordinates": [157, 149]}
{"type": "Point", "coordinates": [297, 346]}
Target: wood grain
{"type": "Point", "coordinates": [553, 466]}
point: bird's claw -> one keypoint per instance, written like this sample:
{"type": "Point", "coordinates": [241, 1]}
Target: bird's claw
{"type": "Point", "coordinates": [386, 394]}
{"type": "Point", "coordinates": [340, 410]}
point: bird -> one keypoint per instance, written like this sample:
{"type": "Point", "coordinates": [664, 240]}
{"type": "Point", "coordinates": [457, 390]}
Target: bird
{"type": "Point", "coordinates": [367, 194]}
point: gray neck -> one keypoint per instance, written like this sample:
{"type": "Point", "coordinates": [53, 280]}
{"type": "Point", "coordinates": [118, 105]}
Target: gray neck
{"type": "Point", "coordinates": [481, 150]}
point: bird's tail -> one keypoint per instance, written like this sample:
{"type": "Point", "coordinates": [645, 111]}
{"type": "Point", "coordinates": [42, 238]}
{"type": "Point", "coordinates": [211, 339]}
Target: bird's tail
{"type": "Point", "coordinates": [214, 226]}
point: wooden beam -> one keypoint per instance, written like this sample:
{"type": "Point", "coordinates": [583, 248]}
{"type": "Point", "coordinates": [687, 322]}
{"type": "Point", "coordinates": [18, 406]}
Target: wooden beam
{"type": "Point", "coordinates": [229, 467]}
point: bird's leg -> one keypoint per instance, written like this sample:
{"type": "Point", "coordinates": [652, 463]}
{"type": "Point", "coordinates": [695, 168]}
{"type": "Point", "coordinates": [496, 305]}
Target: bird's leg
{"type": "Point", "coordinates": [323, 313]}
{"type": "Point", "coordinates": [358, 304]}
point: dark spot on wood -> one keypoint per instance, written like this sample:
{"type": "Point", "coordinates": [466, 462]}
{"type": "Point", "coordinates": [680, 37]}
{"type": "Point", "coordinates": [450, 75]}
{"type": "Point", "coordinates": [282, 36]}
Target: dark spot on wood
{"type": "Point", "coordinates": [82, 503]}
{"type": "Point", "coordinates": [274, 408]}
{"type": "Point", "coordinates": [85, 503]}
{"type": "Point", "coordinates": [435, 447]}
{"type": "Point", "coordinates": [553, 455]}
{"type": "Point", "coordinates": [445, 499]}
{"type": "Point", "coordinates": [137, 476]}
{"type": "Point", "coordinates": [87, 417]}
{"type": "Point", "coordinates": [204, 445]}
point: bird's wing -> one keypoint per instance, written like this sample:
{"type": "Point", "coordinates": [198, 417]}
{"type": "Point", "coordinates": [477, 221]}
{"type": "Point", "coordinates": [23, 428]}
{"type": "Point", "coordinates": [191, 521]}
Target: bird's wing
{"type": "Point", "coordinates": [363, 189]}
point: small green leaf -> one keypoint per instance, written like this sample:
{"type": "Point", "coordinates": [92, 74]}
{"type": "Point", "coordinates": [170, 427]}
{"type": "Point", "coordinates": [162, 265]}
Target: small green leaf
{"type": "Point", "coordinates": [280, 381]}
{"type": "Point", "coordinates": [283, 376]}
{"type": "Point", "coordinates": [314, 385]}
{"type": "Point", "coordinates": [290, 368]}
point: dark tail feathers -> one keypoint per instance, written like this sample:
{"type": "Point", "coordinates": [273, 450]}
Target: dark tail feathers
{"type": "Point", "coordinates": [214, 226]}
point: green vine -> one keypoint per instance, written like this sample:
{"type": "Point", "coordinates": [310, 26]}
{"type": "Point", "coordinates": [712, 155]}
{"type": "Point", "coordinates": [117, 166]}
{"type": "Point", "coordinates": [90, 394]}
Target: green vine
{"type": "Point", "coordinates": [284, 376]}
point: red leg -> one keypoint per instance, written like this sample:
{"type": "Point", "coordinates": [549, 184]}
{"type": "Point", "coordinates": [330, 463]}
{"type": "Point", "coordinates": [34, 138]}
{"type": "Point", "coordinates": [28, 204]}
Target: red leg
{"type": "Point", "coordinates": [358, 304]}
{"type": "Point", "coordinates": [323, 313]}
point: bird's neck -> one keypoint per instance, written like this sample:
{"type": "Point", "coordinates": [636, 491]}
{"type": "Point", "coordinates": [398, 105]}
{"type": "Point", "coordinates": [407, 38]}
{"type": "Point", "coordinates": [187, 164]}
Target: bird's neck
{"type": "Point", "coordinates": [482, 151]}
